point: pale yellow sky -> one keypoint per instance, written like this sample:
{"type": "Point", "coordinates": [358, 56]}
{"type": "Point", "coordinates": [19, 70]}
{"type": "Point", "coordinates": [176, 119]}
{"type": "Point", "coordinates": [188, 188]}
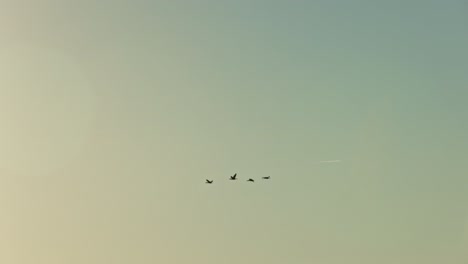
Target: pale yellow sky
{"type": "Point", "coordinates": [112, 115]}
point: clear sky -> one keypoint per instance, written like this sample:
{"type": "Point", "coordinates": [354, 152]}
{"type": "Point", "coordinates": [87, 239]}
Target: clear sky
{"type": "Point", "coordinates": [113, 114]}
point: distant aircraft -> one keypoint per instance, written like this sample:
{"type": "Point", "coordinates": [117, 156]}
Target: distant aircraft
{"type": "Point", "coordinates": [250, 180]}
{"type": "Point", "coordinates": [209, 182]}
{"type": "Point", "coordinates": [233, 177]}
{"type": "Point", "coordinates": [266, 178]}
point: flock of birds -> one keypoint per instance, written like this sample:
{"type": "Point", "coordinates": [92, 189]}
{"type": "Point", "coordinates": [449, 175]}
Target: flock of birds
{"type": "Point", "coordinates": [234, 177]}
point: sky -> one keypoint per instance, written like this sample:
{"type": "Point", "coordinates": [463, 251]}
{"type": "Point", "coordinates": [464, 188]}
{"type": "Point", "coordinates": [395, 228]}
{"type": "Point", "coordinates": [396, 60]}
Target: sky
{"type": "Point", "coordinates": [113, 114]}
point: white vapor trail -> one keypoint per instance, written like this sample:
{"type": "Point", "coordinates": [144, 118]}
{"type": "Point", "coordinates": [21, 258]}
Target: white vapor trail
{"type": "Point", "coordinates": [330, 161]}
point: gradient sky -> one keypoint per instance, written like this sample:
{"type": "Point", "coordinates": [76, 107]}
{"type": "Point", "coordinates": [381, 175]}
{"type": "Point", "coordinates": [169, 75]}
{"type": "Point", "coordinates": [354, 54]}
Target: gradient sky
{"type": "Point", "coordinates": [113, 114]}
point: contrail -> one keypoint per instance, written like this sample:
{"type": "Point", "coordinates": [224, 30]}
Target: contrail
{"type": "Point", "coordinates": [329, 161]}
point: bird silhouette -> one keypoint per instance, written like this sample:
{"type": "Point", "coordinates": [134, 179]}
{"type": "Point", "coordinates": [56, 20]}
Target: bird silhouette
{"type": "Point", "coordinates": [209, 182]}
{"type": "Point", "coordinates": [233, 177]}
{"type": "Point", "coordinates": [266, 178]}
{"type": "Point", "coordinates": [250, 180]}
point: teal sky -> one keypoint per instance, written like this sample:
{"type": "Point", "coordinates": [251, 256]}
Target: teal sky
{"type": "Point", "coordinates": [113, 114]}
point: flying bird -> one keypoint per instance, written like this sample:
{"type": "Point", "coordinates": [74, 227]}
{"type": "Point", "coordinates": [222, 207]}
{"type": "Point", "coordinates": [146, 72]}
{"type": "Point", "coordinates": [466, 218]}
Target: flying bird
{"type": "Point", "coordinates": [250, 180]}
{"type": "Point", "coordinates": [233, 177]}
{"type": "Point", "coordinates": [266, 178]}
{"type": "Point", "coordinates": [209, 182]}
